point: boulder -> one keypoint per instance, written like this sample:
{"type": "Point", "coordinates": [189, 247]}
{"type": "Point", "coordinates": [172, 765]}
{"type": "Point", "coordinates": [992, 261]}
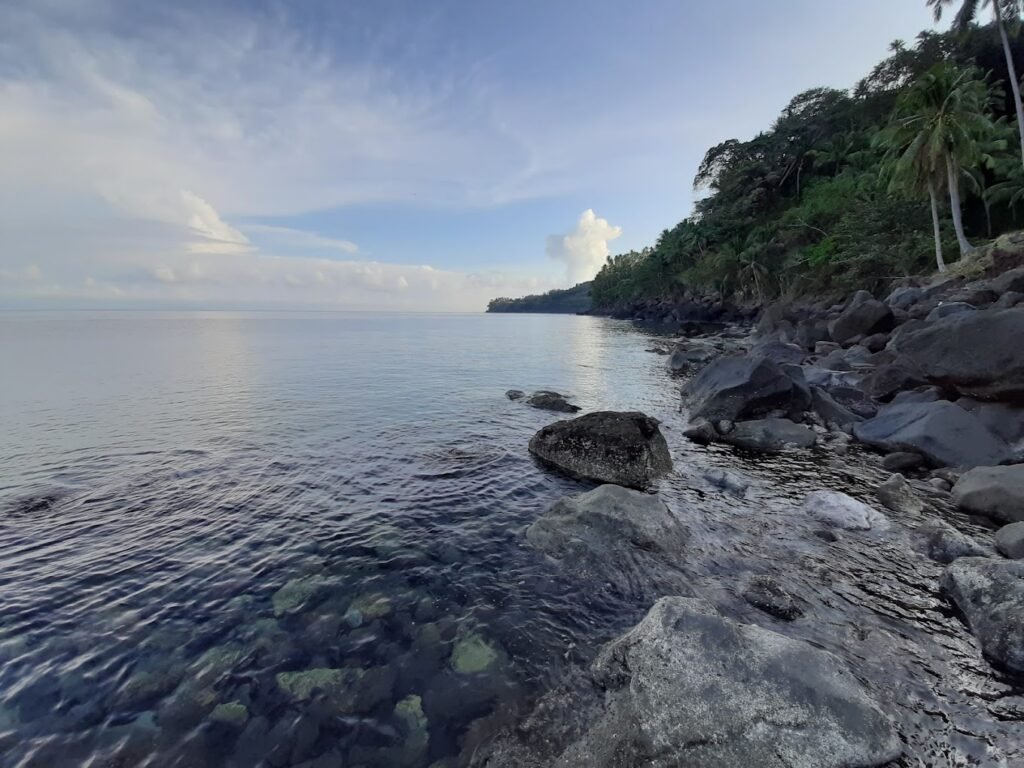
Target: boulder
{"type": "Point", "coordinates": [926, 395]}
{"type": "Point", "coordinates": [688, 354]}
{"type": "Point", "coordinates": [990, 595]}
{"type": "Point", "coordinates": [1010, 541]}
{"type": "Point", "coordinates": [997, 492]}
{"type": "Point", "coordinates": [831, 411]}
{"type": "Point", "coordinates": [700, 431]}
{"type": "Point", "coordinates": [686, 687]}
{"type": "Point", "coordinates": [612, 535]}
{"type": "Point", "coordinates": [606, 446]}
{"type": "Point", "coordinates": [904, 298]}
{"type": "Point", "coordinates": [551, 401]}
{"type": "Point", "coordinates": [1011, 281]}
{"type": "Point", "coordinates": [863, 316]}
{"type": "Point", "coordinates": [875, 342]}
{"type": "Point", "coordinates": [941, 432]}
{"type": "Point", "coordinates": [769, 435]}
{"type": "Point", "coordinates": [810, 333]}
{"type": "Point", "coordinates": [886, 381]}
{"type": "Point", "coordinates": [736, 387]}
{"type": "Point", "coordinates": [515, 394]}
{"type": "Point", "coordinates": [949, 309]}
{"type": "Point", "coordinates": [779, 352]}
{"type": "Point", "coordinates": [841, 511]}
{"type": "Point", "coordinates": [1002, 419]}
{"type": "Point", "coordinates": [976, 353]}
{"type": "Point", "coordinates": [1009, 300]}
{"type": "Point", "coordinates": [897, 495]}
{"type": "Point", "coordinates": [943, 543]}
{"type": "Point", "coordinates": [900, 461]}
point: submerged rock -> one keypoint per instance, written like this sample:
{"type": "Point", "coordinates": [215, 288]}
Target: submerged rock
{"type": "Point", "coordinates": [1010, 541]}
{"type": "Point", "coordinates": [990, 594]}
{"type": "Point", "coordinates": [473, 653]}
{"type": "Point", "coordinates": [940, 431]}
{"type": "Point", "coordinates": [515, 394]}
{"type": "Point", "coordinates": [551, 401]}
{"type": "Point", "coordinates": [842, 511]}
{"type": "Point", "coordinates": [296, 593]}
{"type": "Point", "coordinates": [943, 543]}
{"type": "Point", "coordinates": [233, 713]}
{"type": "Point", "coordinates": [606, 446]}
{"type": "Point", "coordinates": [770, 435]}
{"type": "Point", "coordinates": [997, 492]}
{"type": "Point", "coordinates": [612, 535]}
{"type": "Point", "coordinates": [687, 687]}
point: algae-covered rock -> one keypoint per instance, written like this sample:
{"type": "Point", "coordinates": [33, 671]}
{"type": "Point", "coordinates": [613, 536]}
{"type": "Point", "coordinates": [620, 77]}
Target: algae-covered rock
{"type": "Point", "coordinates": [368, 607]}
{"type": "Point", "coordinates": [301, 685]}
{"type": "Point", "coordinates": [348, 689]}
{"type": "Point", "coordinates": [295, 594]}
{"type": "Point", "coordinates": [473, 653]}
{"type": "Point", "coordinates": [232, 713]}
{"type": "Point", "coordinates": [218, 661]}
{"type": "Point", "coordinates": [409, 711]}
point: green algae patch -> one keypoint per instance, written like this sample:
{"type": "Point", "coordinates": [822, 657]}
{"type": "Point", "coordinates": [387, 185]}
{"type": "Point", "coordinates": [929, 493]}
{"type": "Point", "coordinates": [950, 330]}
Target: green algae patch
{"type": "Point", "coordinates": [409, 711]}
{"type": "Point", "coordinates": [232, 713]}
{"type": "Point", "coordinates": [340, 686]}
{"type": "Point", "coordinates": [294, 594]}
{"type": "Point", "coordinates": [472, 654]}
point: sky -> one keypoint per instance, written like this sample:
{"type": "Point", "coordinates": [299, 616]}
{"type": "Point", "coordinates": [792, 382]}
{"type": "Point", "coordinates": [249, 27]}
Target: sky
{"type": "Point", "coordinates": [386, 155]}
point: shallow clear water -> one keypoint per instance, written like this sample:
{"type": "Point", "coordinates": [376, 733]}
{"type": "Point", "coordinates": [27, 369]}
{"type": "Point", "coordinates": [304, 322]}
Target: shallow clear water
{"type": "Point", "coordinates": [205, 519]}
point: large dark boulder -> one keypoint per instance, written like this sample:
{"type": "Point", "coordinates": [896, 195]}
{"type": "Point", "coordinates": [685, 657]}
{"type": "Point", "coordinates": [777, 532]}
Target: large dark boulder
{"type": "Point", "coordinates": [732, 388]}
{"type": "Point", "coordinates": [686, 687]}
{"type": "Point", "coordinates": [990, 595]}
{"type": "Point", "coordinates": [976, 353]}
{"type": "Point", "coordinates": [888, 380]}
{"type": "Point", "coordinates": [997, 492]}
{"type": "Point", "coordinates": [606, 446]}
{"type": "Point", "coordinates": [779, 352]}
{"type": "Point", "coordinates": [551, 401]}
{"type": "Point", "coordinates": [863, 316]}
{"type": "Point", "coordinates": [831, 411]}
{"type": "Point", "coordinates": [942, 432]}
{"type": "Point", "coordinates": [614, 535]}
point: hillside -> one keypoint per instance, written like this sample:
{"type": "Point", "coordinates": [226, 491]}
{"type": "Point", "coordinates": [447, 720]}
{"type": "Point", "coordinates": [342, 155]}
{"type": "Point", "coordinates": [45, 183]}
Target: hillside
{"type": "Point", "coordinates": [569, 301]}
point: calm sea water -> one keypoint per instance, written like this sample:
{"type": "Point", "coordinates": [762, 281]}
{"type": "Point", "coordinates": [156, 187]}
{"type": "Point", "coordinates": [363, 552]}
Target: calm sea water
{"type": "Point", "coordinates": [296, 539]}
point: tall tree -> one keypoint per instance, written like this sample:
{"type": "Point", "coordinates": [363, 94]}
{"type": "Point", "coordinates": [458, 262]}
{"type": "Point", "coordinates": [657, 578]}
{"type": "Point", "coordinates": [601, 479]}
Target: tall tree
{"type": "Point", "coordinates": [1003, 10]}
{"type": "Point", "coordinates": [936, 132]}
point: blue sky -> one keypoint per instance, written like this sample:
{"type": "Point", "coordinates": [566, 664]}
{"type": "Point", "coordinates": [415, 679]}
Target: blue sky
{"type": "Point", "coordinates": [379, 155]}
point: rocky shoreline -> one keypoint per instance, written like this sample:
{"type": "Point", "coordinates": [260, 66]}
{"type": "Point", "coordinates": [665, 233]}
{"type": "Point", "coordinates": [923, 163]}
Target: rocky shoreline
{"type": "Point", "coordinates": [930, 379]}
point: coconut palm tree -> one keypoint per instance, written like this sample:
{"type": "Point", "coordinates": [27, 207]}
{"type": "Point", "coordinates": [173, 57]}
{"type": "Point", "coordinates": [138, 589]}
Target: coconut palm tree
{"type": "Point", "coordinates": [1003, 10]}
{"type": "Point", "coordinates": [936, 132]}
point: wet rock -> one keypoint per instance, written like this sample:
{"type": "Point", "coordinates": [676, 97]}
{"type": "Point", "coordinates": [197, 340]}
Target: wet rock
{"type": "Point", "coordinates": [473, 653]}
{"type": "Point", "coordinates": [551, 401]}
{"type": "Point", "coordinates": [688, 354]}
{"type": "Point", "coordinates": [606, 446]}
{"type": "Point", "coordinates": [901, 461]}
{"type": "Point", "coordinates": [367, 608]}
{"type": "Point", "coordinates": [875, 342]}
{"type": "Point", "coordinates": [612, 535]}
{"type": "Point", "coordinates": [738, 387]}
{"type": "Point", "coordinates": [896, 494]}
{"type": "Point", "coordinates": [515, 394]}
{"type": "Point", "coordinates": [766, 594]}
{"type": "Point", "coordinates": [863, 316]}
{"type": "Point", "coordinates": [950, 308]}
{"type": "Point", "coordinates": [1010, 541]}
{"type": "Point", "coordinates": [841, 511]}
{"type": "Point", "coordinates": [687, 687]}
{"type": "Point", "coordinates": [770, 435]}
{"type": "Point", "coordinates": [232, 713]}
{"type": "Point", "coordinates": [886, 381]}
{"type": "Point", "coordinates": [977, 353]}
{"type": "Point", "coordinates": [832, 412]}
{"type": "Point", "coordinates": [943, 543]}
{"type": "Point", "coordinates": [990, 595]}
{"type": "Point", "coordinates": [940, 484]}
{"type": "Point", "coordinates": [700, 431]}
{"type": "Point", "coordinates": [779, 352]}
{"type": "Point", "coordinates": [997, 492]}
{"type": "Point", "coordinates": [731, 482]}
{"type": "Point", "coordinates": [1003, 420]}
{"type": "Point", "coordinates": [415, 731]}
{"type": "Point", "coordinates": [943, 433]}
{"type": "Point", "coordinates": [295, 594]}
{"type": "Point", "coordinates": [346, 689]}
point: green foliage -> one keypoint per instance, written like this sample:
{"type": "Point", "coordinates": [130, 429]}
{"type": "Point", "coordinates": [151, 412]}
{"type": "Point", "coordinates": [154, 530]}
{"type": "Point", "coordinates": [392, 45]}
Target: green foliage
{"type": "Point", "coordinates": [835, 194]}
{"type": "Point", "coordinates": [568, 301]}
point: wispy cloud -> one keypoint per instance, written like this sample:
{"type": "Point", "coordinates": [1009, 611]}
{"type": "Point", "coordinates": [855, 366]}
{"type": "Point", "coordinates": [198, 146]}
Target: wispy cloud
{"type": "Point", "coordinates": [300, 238]}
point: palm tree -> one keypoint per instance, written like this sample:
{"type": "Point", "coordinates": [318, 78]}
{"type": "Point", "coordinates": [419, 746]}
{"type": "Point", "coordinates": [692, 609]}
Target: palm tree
{"type": "Point", "coordinates": [936, 131]}
{"type": "Point", "coordinates": [1002, 10]}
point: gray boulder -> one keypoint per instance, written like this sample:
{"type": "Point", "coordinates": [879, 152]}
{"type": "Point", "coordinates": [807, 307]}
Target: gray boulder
{"type": "Point", "coordinates": [997, 492]}
{"type": "Point", "coordinates": [990, 595]}
{"type": "Point", "coordinates": [1011, 281]}
{"type": "Point", "coordinates": [897, 495]}
{"type": "Point", "coordinates": [551, 401]}
{"type": "Point", "coordinates": [613, 535]}
{"type": "Point", "coordinates": [769, 435]}
{"type": "Point", "coordinates": [943, 543]}
{"type": "Point", "coordinates": [606, 446]}
{"type": "Point", "coordinates": [887, 380]}
{"type": "Point", "coordinates": [1002, 419]}
{"type": "Point", "coordinates": [977, 353]}
{"type": "Point", "coordinates": [949, 309]}
{"type": "Point", "coordinates": [841, 511]}
{"type": "Point", "coordinates": [940, 431]}
{"type": "Point", "coordinates": [904, 298]}
{"type": "Point", "coordinates": [1010, 541]}
{"type": "Point", "coordinates": [832, 412]}
{"type": "Point", "coordinates": [863, 316]}
{"type": "Point", "coordinates": [779, 352]}
{"type": "Point", "coordinates": [686, 687]}
{"type": "Point", "coordinates": [688, 354]}
{"type": "Point", "coordinates": [731, 388]}
{"type": "Point", "coordinates": [515, 394]}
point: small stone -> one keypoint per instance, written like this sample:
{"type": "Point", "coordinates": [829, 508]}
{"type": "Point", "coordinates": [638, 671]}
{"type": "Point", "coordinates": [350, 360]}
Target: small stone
{"type": "Point", "coordinates": [765, 593]}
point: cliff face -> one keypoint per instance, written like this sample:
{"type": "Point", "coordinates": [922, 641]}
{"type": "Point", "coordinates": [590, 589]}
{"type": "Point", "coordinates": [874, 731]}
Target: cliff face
{"type": "Point", "coordinates": [571, 301]}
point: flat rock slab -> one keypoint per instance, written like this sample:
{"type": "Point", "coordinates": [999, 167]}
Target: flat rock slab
{"type": "Point", "coordinates": [997, 492]}
{"type": "Point", "coordinates": [841, 511]}
{"type": "Point", "coordinates": [944, 433]}
{"type": "Point", "coordinates": [607, 446]}
{"type": "Point", "coordinates": [990, 594]}
{"type": "Point", "coordinates": [686, 687]}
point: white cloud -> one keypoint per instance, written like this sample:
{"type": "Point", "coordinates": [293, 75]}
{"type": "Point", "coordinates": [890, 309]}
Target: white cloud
{"type": "Point", "coordinates": [584, 250]}
{"type": "Point", "coordinates": [300, 238]}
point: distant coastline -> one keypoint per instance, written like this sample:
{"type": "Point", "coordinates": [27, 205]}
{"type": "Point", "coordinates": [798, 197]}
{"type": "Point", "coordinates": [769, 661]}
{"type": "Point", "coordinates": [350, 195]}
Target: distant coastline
{"type": "Point", "coordinates": [569, 301]}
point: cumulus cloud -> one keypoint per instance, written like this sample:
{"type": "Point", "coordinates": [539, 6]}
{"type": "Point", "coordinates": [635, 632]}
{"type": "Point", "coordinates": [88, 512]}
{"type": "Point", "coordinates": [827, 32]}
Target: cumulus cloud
{"type": "Point", "coordinates": [584, 250]}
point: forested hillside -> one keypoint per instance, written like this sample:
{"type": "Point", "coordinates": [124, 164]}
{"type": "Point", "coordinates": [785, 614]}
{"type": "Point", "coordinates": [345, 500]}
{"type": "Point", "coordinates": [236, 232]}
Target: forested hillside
{"type": "Point", "coordinates": [569, 301]}
{"type": "Point", "coordinates": [839, 192]}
